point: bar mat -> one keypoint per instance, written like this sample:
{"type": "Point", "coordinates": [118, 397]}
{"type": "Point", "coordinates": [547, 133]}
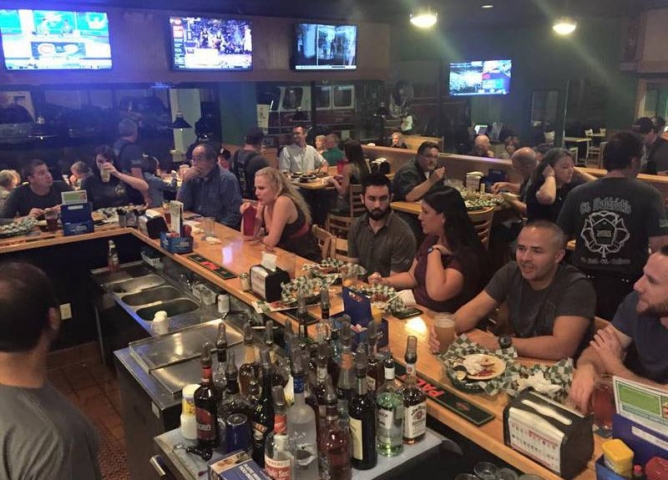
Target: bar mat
{"type": "Point", "coordinates": [311, 320]}
{"type": "Point", "coordinates": [448, 399]}
{"type": "Point", "coordinates": [223, 273]}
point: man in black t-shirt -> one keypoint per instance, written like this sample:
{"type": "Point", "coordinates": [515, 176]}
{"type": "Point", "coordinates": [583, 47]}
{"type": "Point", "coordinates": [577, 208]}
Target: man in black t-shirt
{"type": "Point", "coordinates": [247, 161]}
{"type": "Point", "coordinates": [615, 220]}
{"type": "Point", "coordinates": [130, 156]}
{"type": "Point", "coordinates": [655, 156]}
{"type": "Point", "coordinates": [40, 193]}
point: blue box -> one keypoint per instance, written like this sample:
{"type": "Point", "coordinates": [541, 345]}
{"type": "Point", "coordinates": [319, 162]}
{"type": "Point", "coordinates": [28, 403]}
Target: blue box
{"type": "Point", "coordinates": [361, 337]}
{"type": "Point", "coordinates": [645, 442]}
{"type": "Point", "coordinates": [176, 244]}
{"type": "Point", "coordinates": [604, 473]}
{"type": "Point", "coordinates": [76, 219]}
{"type": "Point", "coordinates": [236, 466]}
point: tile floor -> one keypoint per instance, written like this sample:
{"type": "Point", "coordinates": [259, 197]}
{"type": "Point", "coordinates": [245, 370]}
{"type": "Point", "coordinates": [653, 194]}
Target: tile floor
{"type": "Point", "coordinates": [80, 375]}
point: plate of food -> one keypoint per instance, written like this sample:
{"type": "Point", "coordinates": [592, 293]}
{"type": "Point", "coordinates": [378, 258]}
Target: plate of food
{"type": "Point", "coordinates": [480, 367]}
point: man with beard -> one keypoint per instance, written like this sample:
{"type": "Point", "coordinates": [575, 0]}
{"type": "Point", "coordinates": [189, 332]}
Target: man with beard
{"type": "Point", "coordinates": [379, 240]}
{"type": "Point", "coordinates": [550, 304]}
{"type": "Point", "coordinates": [641, 321]}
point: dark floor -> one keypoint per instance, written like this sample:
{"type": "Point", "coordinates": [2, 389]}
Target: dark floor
{"type": "Point", "coordinates": [80, 375]}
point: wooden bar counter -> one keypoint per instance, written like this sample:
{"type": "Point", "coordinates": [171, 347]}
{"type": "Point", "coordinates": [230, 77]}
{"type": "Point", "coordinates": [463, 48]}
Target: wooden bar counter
{"type": "Point", "coordinates": [238, 256]}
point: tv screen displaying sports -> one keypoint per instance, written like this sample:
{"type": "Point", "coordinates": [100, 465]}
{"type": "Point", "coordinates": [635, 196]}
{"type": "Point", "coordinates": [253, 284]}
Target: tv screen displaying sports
{"type": "Point", "coordinates": [490, 77]}
{"type": "Point", "coordinates": [325, 47]}
{"type": "Point", "coordinates": [211, 43]}
{"type": "Point", "coordinates": [55, 40]}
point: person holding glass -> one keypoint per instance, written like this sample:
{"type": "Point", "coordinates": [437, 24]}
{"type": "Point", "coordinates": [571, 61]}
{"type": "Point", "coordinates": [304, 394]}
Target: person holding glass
{"type": "Point", "coordinates": [107, 187]}
{"type": "Point", "coordinates": [283, 214]}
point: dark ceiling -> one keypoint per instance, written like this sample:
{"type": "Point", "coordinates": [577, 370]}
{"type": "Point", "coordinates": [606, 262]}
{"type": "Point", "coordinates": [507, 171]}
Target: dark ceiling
{"type": "Point", "coordinates": [453, 13]}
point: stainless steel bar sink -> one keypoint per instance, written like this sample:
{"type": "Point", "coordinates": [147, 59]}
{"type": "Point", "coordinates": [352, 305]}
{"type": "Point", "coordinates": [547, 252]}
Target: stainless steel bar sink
{"type": "Point", "coordinates": [164, 293]}
{"type": "Point", "coordinates": [173, 308]}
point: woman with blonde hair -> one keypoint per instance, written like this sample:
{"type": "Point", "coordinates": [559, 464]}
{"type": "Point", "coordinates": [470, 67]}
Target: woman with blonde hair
{"type": "Point", "coordinates": [283, 213]}
{"type": "Point", "coordinates": [320, 145]}
{"type": "Point", "coordinates": [9, 179]}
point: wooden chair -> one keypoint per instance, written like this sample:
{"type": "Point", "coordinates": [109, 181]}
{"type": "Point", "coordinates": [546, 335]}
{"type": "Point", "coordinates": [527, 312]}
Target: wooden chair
{"type": "Point", "coordinates": [325, 241]}
{"type": "Point", "coordinates": [341, 250]}
{"type": "Point", "coordinates": [339, 223]}
{"type": "Point", "coordinates": [482, 221]}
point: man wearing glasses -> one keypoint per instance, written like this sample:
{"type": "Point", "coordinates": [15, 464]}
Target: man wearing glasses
{"type": "Point", "coordinates": [415, 178]}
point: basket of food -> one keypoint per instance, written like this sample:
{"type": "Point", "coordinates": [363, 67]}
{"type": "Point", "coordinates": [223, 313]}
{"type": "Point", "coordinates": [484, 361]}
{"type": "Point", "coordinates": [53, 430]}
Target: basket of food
{"type": "Point", "coordinates": [17, 227]}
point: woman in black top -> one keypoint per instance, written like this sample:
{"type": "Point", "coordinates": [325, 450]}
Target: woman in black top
{"type": "Point", "coordinates": [113, 192]}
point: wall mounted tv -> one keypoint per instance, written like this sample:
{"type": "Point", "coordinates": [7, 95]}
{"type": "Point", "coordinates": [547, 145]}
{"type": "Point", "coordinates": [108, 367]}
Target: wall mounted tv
{"type": "Point", "coordinates": [200, 43]}
{"type": "Point", "coordinates": [55, 40]}
{"type": "Point", "coordinates": [490, 77]}
{"type": "Point", "coordinates": [325, 47]}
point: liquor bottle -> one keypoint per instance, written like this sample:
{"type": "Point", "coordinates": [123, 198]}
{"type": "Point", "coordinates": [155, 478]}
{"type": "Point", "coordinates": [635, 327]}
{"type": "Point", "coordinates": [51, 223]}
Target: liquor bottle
{"type": "Point", "coordinates": [278, 458]}
{"type": "Point", "coordinates": [221, 353]}
{"type": "Point", "coordinates": [206, 405]}
{"type": "Point", "coordinates": [250, 367]}
{"type": "Point", "coordinates": [335, 355]}
{"type": "Point", "coordinates": [309, 394]}
{"type": "Point", "coordinates": [288, 335]}
{"type": "Point", "coordinates": [324, 304]}
{"type": "Point", "coordinates": [415, 401]}
{"type": "Point", "coordinates": [233, 400]}
{"type": "Point", "coordinates": [263, 411]}
{"type": "Point", "coordinates": [112, 257]}
{"type": "Point", "coordinates": [345, 383]}
{"type": "Point", "coordinates": [301, 427]}
{"type": "Point", "coordinates": [254, 391]}
{"type": "Point", "coordinates": [362, 411]}
{"type": "Point", "coordinates": [320, 382]}
{"type": "Point", "coordinates": [389, 414]}
{"type": "Point", "coordinates": [302, 316]}
{"type": "Point", "coordinates": [334, 442]}
{"type": "Point", "coordinates": [375, 372]}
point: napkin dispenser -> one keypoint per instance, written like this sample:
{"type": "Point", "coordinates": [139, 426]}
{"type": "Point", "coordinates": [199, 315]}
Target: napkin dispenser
{"type": "Point", "coordinates": [152, 226]}
{"type": "Point", "coordinates": [267, 283]}
{"type": "Point", "coordinates": [557, 437]}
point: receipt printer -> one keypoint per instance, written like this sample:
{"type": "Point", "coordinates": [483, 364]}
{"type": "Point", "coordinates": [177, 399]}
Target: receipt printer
{"type": "Point", "coordinates": [557, 437]}
{"type": "Point", "coordinates": [267, 283]}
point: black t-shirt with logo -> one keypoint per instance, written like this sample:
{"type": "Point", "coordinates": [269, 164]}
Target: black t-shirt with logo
{"type": "Point", "coordinates": [114, 193]}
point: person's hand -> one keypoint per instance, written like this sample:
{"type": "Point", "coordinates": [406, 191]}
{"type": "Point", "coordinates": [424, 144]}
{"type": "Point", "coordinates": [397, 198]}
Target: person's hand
{"type": "Point", "coordinates": [548, 171]}
{"type": "Point", "coordinates": [244, 206]}
{"type": "Point", "coordinates": [332, 180]}
{"type": "Point", "coordinates": [437, 175]}
{"type": "Point", "coordinates": [582, 387]}
{"type": "Point", "coordinates": [610, 350]}
{"type": "Point", "coordinates": [190, 174]}
{"type": "Point", "coordinates": [484, 339]}
{"type": "Point", "coordinates": [36, 212]}
{"type": "Point", "coordinates": [498, 186]}
{"type": "Point", "coordinates": [109, 167]}
{"type": "Point", "coordinates": [434, 344]}
{"type": "Point", "coordinates": [375, 278]}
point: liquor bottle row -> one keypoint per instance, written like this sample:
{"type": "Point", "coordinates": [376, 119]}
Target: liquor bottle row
{"type": "Point", "coordinates": [294, 420]}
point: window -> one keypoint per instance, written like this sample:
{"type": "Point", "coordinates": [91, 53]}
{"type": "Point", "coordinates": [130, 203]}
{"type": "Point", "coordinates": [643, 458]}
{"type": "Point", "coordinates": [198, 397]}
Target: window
{"type": "Point", "coordinates": [293, 98]}
{"type": "Point", "coordinates": [323, 98]}
{"type": "Point", "coordinates": [344, 96]}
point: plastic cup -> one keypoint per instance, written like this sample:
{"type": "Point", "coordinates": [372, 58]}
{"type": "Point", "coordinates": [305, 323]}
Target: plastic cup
{"type": "Point", "coordinates": [444, 324]}
{"type": "Point", "coordinates": [603, 402]}
{"type": "Point", "coordinates": [209, 227]}
{"type": "Point", "coordinates": [105, 175]}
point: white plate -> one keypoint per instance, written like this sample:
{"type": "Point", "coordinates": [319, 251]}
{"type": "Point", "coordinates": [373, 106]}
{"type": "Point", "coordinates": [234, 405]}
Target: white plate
{"type": "Point", "coordinates": [492, 366]}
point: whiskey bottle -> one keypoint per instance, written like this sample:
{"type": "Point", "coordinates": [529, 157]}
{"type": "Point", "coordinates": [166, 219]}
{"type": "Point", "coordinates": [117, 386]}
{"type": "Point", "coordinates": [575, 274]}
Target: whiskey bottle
{"type": "Point", "coordinates": [415, 401]}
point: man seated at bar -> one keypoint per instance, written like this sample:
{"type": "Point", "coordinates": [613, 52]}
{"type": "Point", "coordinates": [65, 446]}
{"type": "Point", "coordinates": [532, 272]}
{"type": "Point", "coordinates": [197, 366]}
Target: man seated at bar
{"type": "Point", "coordinates": [481, 147]}
{"type": "Point", "coordinates": [655, 153]}
{"type": "Point", "coordinates": [641, 321]}
{"type": "Point", "coordinates": [615, 221]}
{"type": "Point", "coordinates": [301, 157]}
{"type": "Point", "coordinates": [551, 305]}
{"type": "Point", "coordinates": [42, 434]}
{"type": "Point", "coordinates": [211, 190]}
{"type": "Point", "coordinates": [450, 267]}
{"type": "Point", "coordinates": [524, 163]}
{"type": "Point", "coordinates": [40, 193]}
{"type": "Point", "coordinates": [379, 240]}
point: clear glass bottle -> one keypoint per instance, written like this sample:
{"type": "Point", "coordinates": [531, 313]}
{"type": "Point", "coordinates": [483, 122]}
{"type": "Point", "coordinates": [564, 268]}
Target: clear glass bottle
{"type": "Point", "coordinates": [334, 442]}
{"type": "Point", "coordinates": [250, 368]}
{"type": "Point", "coordinates": [389, 414]}
{"type": "Point", "coordinates": [221, 355]}
{"type": "Point", "coordinates": [263, 410]}
{"type": "Point", "coordinates": [415, 400]}
{"type": "Point", "coordinates": [345, 384]}
{"type": "Point", "coordinates": [362, 411]}
{"type": "Point", "coordinates": [278, 455]}
{"type": "Point", "coordinates": [301, 427]}
{"type": "Point", "coordinates": [375, 372]}
{"type": "Point", "coordinates": [233, 401]}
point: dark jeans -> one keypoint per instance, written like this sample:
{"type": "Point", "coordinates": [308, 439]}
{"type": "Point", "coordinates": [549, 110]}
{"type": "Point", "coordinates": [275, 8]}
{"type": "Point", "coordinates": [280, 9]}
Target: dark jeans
{"type": "Point", "coordinates": [611, 289]}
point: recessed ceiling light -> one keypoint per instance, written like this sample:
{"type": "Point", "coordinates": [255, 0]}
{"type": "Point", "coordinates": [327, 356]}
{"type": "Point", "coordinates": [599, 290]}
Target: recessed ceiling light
{"type": "Point", "coordinates": [424, 18]}
{"type": "Point", "coordinates": [487, 6]}
{"type": "Point", "coordinates": [564, 26]}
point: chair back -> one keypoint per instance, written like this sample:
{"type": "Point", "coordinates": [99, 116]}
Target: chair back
{"type": "Point", "coordinates": [589, 132]}
{"type": "Point", "coordinates": [482, 221]}
{"type": "Point", "coordinates": [356, 205]}
{"type": "Point", "coordinates": [325, 241]}
{"type": "Point", "coordinates": [341, 250]}
{"type": "Point", "coordinates": [339, 225]}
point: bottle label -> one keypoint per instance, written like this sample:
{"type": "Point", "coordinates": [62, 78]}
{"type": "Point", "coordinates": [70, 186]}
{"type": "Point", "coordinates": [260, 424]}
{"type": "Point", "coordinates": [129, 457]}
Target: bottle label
{"type": "Point", "coordinates": [259, 431]}
{"type": "Point", "coordinates": [416, 420]}
{"type": "Point", "coordinates": [206, 424]}
{"type": "Point", "coordinates": [410, 369]}
{"type": "Point", "coordinates": [356, 437]}
{"type": "Point", "coordinates": [371, 384]}
{"type": "Point", "coordinates": [385, 418]}
{"type": "Point", "coordinates": [277, 469]}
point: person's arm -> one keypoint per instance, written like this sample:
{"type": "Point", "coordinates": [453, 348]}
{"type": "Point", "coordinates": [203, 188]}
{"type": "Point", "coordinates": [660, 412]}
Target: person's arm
{"type": "Point", "coordinates": [324, 164]}
{"type": "Point", "coordinates": [342, 186]}
{"type": "Point", "coordinates": [518, 205]}
{"type": "Point", "coordinates": [284, 160]}
{"type": "Point", "coordinates": [441, 283]}
{"type": "Point", "coordinates": [567, 333]}
{"type": "Point", "coordinates": [231, 200]}
{"type": "Point", "coordinates": [511, 187]}
{"type": "Point", "coordinates": [420, 190]}
{"type": "Point", "coordinates": [547, 193]}
{"type": "Point", "coordinates": [402, 281]}
{"type": "Point", "coordinates": [138, 183]}
{"type": "Point", "coordinates": [283, 210]}
{"type": "Point", "coordinates": [469, 315]}
{"type": "Point", "coordinates": [584, 175]}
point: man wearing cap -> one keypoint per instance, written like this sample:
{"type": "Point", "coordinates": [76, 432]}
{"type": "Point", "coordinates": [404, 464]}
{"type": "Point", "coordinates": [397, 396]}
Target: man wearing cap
{"type": "Point", "coordinates": [655, 156]}
{"type": "Point", "coordinates": [247, 161]}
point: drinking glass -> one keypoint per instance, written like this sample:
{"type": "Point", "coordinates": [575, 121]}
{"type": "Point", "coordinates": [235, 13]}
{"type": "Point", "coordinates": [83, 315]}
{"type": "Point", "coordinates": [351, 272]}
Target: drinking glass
{"type": "Point", "coordinates": [444, 324]}
{"type": "Point", "coordinates": [486, 470]}
{"type": "Point", "coordinates": [287, 261]}
{"type": "Point", "coordinates": [209, 227]}
{"type": "Point", "coordinates": [51, 216]}
{"type": "Point", "coordinates": [603, 402]}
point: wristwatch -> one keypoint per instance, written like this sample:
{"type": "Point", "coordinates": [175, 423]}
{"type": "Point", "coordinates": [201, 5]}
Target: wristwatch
{"type": "Point", "coordinates": [431, 249]}
{"type": "Point", "coordinates": [505, 341]}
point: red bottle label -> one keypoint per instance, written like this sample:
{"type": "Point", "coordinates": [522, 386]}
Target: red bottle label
{"type": "Point", "coordinates": [206, 424]}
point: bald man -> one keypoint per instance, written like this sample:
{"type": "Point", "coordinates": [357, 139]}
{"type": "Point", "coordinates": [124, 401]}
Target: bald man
{"type": "Point", "coordinates": [481, 147]}
{"type": "Point", "coordinates": [524, 162]}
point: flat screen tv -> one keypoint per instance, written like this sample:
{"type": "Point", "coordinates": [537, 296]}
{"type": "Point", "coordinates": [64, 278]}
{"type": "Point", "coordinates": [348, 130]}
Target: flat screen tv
{"type": "Point", "coordinates": [55, 40]}
{"type": "Point", "coordinates": [325, 47]}
{"type": "Point", "coordinates": [489, 77]}
{"type": "Point", "coordinates": [200, 43]}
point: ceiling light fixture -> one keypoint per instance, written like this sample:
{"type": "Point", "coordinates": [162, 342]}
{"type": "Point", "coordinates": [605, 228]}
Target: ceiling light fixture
{"type": "Point", "coordinates": [179, 122]}
{"type": "Point", "coordinates": [424, 18]}
{"type": "Point", "coordinates": [486, 7]}
{"type": "Point", "coordinates": [564, 26]}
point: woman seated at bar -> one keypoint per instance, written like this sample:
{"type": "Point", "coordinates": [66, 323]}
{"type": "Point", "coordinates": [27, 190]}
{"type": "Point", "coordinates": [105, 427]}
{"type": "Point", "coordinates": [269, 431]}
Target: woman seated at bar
{"type": "Point", "coordinates": [283, 214]}
{"type": "Point", "coordinates": [80, 171]}
{"type": "Point", "coordinates": [354, 172]}
{"type": "Point", "coordinates": [554, 177]}
{"type": "Point", "coordinates": [107, 187]}
{"type": "Point", "coordinates": [9, 179]}
{"type": "Point", "coordinates": [450, 267]}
